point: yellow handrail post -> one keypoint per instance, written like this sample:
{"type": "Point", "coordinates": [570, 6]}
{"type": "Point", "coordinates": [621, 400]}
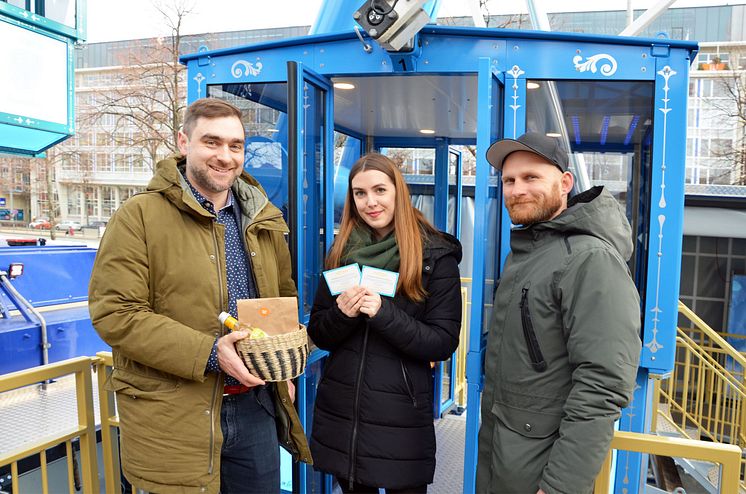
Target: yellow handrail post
{"type": "Point", "coordinates": [656, 404]}
{"type": "Point", "coordinates": [603, 480]}
{"type": "Point", "coordinates": [109, 438]}
{"type": "Point", "coordinates": [84, 392]}
{"type": "Point", "coordinates": [463, 346]}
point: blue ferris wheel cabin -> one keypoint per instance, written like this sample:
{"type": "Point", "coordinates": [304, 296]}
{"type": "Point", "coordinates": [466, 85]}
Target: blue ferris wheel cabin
{"type": "Point", "coordinates": [618, 104]}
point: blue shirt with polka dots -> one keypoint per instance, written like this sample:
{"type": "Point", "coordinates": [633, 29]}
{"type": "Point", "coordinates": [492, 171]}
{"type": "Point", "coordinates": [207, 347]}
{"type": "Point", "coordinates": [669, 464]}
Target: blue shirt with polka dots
{"type": "Point", "coordinates": [237, 264]}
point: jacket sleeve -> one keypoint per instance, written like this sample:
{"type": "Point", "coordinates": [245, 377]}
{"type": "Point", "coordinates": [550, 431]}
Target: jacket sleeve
{"type": "Point", "coordinates": [601, 318]}
{"type": "Point", "coordinates": [119, 302]}
{"type": "Point", "coordinates": [328, 326]}
{"type": "Point", "coordinates": [435, 336]}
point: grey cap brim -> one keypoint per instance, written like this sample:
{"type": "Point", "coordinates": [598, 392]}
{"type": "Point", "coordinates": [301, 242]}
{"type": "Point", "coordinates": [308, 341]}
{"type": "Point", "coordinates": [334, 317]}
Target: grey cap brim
{"type": "Point", "coordinates": [500, 150]}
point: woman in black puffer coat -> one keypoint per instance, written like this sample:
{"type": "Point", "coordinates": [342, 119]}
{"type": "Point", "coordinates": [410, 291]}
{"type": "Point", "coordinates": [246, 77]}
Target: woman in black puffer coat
{"type": "Point", "coordinates": [373, 423]}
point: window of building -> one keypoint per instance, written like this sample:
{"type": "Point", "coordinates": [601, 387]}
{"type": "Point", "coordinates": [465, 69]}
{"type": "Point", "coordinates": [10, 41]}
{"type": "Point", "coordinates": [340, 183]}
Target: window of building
{"type": "Point", "coordinates": [91, 200]}
{"type": "Point", "coordinates": [108, 205]}
{"type": "Point", "coordinates": [73, 201]}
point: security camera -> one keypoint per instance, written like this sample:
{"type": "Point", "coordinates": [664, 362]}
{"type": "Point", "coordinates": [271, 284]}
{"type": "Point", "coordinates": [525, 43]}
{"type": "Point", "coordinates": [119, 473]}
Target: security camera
{"type": "Point", "coordinates": [392, 23]}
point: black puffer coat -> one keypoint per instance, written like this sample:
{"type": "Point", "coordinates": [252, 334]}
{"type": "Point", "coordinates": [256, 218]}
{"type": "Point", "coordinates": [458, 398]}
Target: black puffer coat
{"type": "Point", "coordinates": [373, 419]}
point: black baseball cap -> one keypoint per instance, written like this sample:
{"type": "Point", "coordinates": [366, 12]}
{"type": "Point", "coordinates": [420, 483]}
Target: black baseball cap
{"type": "Point", "coordinates": [547, 147]}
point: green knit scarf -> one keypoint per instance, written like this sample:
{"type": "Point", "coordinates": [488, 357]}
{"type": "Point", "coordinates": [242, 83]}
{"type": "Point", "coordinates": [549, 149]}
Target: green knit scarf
{"type": "Point", "coordinates": [365, 249]}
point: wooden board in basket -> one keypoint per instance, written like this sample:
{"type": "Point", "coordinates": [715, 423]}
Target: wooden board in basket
{"type": "Point", "coordinates": [282, 354]}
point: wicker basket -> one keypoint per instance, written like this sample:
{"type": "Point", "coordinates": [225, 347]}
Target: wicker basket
{"type": "Point", "coordinates": [276, 358]}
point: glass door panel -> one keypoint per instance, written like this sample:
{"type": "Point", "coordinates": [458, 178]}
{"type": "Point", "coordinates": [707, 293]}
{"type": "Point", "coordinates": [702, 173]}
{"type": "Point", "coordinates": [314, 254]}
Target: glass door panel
{"type": "Point", "coordinates": [310, 137]}
{"type": "Point", "coordinates": [418, 167]}
{"type": "Point", "coordinates": [607, 127]}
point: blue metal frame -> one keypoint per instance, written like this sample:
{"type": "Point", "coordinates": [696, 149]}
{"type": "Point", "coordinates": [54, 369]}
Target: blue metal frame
{"type": "Point", "coordinates": [304, 243]}
{"type": "Point", "coordinates": [666, 220]}
{"type": "Point", "coordinates": [475, 356]}
{"type": "Point", "coordinates": [441, 184]}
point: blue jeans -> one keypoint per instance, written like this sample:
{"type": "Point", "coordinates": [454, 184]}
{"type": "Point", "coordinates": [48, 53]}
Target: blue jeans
{"type": "Point", "coordinates": [250, 458]}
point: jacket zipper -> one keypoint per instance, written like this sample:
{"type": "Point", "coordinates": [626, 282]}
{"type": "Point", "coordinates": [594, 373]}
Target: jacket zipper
{"type": "Point", "coordinates": [217, 381]}
{"type": "Point", "coordinates": [534, 351]}
{"type": "Point", "coordinates": [356, 409]}
{"type": "Point", "coordinates": [408, 384]}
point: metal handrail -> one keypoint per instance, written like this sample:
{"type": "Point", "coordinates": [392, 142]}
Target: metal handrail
{"type": "Point", "coordinates": [109, 424]}
{"type": "Point", "coordinates": [728, 456]}
{"type": "Point", "coordinates": [712, 334]}
{"type": "Point", "coordinates": [705, 396]}
{"type": "Point", "coordinates": [85, 431]}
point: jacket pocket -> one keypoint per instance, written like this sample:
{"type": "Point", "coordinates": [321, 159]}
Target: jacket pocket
{"type": "Point", "coordinates": [528, 423]}
{"type": "Point", "coordinates": [408, 383]}
{"type": "Point", "coordinates": [139, 386]}
{"type": "Point", "coordinates": [534, 350]}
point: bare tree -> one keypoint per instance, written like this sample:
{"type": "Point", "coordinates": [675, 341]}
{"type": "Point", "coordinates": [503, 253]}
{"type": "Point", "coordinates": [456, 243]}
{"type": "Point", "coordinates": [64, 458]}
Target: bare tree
{"type": "Point", "coordinates": [731, 116]}
{"type": "Point", "coordinates": [148, 100]}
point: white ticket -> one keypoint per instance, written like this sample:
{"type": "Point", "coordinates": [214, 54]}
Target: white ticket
{"type": "Point", "coordinates": [340, 279]}
{"type": "Point", "coordinates": [379, 280]}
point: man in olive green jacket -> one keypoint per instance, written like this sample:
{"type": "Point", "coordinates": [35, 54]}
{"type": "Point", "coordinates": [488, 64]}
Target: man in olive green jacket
{"type": "Point", "coordinates": [564, 341]}
{"type": "Point", "coordinates": [159, 282]}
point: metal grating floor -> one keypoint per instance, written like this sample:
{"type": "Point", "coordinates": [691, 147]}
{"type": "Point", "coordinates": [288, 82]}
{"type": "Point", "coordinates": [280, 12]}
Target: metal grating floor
{"type": "Point", "coordinates": [33, 413]}
{"type": "Point", "coordinates": [450, 432]}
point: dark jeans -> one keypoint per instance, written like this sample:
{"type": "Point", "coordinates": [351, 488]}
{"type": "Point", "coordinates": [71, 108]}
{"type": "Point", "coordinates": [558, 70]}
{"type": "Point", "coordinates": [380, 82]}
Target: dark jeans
{"type": "Point", "coordinates": [345, 486]}
{"type": "Point", "coordinates": [250, 458]}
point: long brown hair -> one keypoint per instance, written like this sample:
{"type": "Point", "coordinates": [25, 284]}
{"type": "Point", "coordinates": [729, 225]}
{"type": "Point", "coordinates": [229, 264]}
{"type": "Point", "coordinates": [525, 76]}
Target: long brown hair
{"type": "Point", "coordinates": [409, 226]}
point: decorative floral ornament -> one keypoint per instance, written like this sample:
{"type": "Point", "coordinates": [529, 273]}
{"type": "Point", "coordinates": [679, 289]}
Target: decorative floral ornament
{"type": "Point", "coordinates": [248, 68]}
{"type": "Point", "coordinates": [607, 69]}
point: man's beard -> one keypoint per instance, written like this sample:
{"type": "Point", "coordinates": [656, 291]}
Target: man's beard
{"type": "Point", "coordinates": [205, 181]}
{"type": "Point", "coordinates": [535, 209]}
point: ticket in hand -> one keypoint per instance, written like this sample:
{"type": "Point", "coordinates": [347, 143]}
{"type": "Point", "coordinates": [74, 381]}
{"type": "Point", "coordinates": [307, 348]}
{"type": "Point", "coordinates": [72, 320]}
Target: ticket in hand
{"type": "Point", "coordinates": [379, 280]}
{"type": "Point", "coordinates": [340, 279]}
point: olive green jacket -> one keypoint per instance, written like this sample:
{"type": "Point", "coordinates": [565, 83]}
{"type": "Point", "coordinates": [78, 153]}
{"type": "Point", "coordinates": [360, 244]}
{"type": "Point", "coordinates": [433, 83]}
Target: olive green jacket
{"type": "Point", "coordinates": [158, 284]}
{"type": "Point", "coordinates": [562, 352]}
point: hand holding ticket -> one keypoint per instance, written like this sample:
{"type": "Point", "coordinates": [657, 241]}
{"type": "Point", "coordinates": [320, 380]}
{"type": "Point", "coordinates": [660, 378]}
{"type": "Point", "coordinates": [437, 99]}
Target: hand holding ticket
{"type": "Point", "coordinates": [379, 281]}
{"type": "Point", "coordinates": [340, 279]}
{"type": "Point", "coordinates": [376, 280]}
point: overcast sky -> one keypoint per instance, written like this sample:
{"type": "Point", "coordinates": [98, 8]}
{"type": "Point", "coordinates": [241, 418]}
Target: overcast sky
{"type": "Point", "coordinates": [119, 20]}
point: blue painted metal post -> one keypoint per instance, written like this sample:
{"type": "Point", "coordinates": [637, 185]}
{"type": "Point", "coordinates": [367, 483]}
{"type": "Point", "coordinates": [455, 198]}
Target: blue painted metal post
{"type": "Point", "coordinates": [440, 194]}
{"type": "Point", "coordinates": [515, 126]}
{"type": "Point", "coordinates": [485, 107]}
{"type": "Point", "coordinates": [441, 184]}
{"type": "Point", "coordinates": [666, 221]}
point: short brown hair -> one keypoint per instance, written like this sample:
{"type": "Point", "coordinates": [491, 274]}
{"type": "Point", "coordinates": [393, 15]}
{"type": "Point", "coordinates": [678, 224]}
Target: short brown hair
{"type": "Point", "coordinates": [208, 108]}
{"type": "Point", "coordinates": [409, 226]}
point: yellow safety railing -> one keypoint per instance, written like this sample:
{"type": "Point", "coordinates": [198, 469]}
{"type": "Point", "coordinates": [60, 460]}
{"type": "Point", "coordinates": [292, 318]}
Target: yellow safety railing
{"type": "Point", "coordinates": [726, 455]}
{"type": "Point", "coordinates": [85, 431]}
{"type": "Point", "coordinates": [705, 396]}
{"type": "Point", "coordinates": [459, 389]}
{"type": "Point", "coordinates": [109, 425]}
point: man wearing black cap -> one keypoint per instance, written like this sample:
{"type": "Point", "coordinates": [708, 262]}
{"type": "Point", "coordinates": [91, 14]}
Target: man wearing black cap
{"type": "Point", "coordinates": [564, 339]}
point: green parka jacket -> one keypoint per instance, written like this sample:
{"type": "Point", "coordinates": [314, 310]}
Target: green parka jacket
{"type": "Point", "coordinates": [158, 284]}
{"type": "Point", "coordinates": [562, 352]}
